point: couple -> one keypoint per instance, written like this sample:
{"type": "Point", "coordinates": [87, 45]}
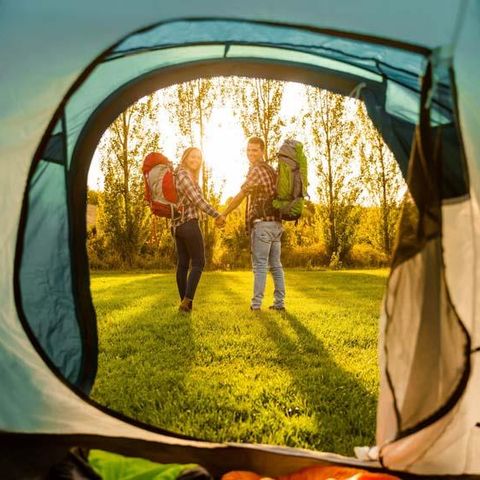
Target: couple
{"type": "Point", "coordinates": [262, 221]}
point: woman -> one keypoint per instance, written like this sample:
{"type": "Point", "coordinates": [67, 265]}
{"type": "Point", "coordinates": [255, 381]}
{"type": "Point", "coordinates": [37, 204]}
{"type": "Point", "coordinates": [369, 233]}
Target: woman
{"type": "Point", "coordinates": [188, 237]}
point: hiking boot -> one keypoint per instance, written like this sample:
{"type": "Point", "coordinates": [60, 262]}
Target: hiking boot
{"type": "Point", "coordinates": [278, 309]}
{"type": "Point", "coordinates": [186, 305]}
{"type": "Point", "coordinates": [255, 309]}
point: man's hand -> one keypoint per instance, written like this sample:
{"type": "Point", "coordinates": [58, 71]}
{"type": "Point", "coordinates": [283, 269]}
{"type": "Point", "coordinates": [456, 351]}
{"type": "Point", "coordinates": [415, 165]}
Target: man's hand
{"type": "Point", "coordinates": [220, 221]}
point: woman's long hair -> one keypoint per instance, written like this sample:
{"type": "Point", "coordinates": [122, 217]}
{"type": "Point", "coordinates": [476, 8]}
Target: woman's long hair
{"type": "Point", "coordinates": [186, 153]}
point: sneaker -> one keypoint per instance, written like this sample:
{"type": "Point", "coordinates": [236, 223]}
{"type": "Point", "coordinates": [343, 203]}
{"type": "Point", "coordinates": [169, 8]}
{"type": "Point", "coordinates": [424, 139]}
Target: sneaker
{"type": "Point", "coordinates": [255, 309]}
{"type": "Point", "coordinates": [278, 309]}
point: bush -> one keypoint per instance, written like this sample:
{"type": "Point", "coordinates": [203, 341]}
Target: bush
{"type": "Point", "coordinates": [365, 255]}
{"type": "Point", "coordinates": [305, 256]}
{"type": "Point", "coordinates": [229, 258]}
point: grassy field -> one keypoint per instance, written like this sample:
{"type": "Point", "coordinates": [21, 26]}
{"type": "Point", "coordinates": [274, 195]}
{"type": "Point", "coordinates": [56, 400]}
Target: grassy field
{"type": "Point", "coordinates": [307, 378]}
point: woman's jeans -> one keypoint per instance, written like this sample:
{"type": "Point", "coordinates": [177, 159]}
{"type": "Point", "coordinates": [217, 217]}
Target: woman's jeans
{"type": "Point", "coordinates": [190, 248]}
{"type": "Point", "coordinates": [266, 250]}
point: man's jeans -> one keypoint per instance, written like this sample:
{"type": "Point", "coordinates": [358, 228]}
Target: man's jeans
{"type": "Point", "coordinates": [266, 250]}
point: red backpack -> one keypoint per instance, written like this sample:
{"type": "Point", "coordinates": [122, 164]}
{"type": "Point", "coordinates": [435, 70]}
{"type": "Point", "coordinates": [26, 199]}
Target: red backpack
{"type": "Point", "coordinates": [159, 179]}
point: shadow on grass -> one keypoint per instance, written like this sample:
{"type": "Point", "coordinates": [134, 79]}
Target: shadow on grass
{"type": "Point", "coordinates": [146, 350]}
{"type": "Point", "coordinates": [336, 286]}
{"type": "Point", "coordinates": [343, 410]}
{"type": "Point", "coordinates": [148, 353]}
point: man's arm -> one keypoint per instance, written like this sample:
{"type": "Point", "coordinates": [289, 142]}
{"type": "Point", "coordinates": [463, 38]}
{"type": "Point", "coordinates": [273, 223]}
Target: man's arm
{"type": "Point", "coordinates": [235, 202]}
{"type": "Point", "coordinates": [250, 184]}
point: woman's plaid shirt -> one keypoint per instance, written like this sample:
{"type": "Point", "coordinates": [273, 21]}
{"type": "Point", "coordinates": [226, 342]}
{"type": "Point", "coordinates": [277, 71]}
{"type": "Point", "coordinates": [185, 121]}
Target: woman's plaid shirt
{"type": "Point", "coordinates": [260, 186]}
{"type": "Point", "coordinates": [190, 199]}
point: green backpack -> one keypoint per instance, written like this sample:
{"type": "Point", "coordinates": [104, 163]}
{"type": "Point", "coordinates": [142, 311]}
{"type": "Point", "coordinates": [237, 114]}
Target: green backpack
{"type": "Point", "coordinates": [292, 180]}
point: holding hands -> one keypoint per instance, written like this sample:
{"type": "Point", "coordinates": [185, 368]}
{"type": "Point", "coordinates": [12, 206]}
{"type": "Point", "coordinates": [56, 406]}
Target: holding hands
{"type": "Point", "coordinates": [220, 221]}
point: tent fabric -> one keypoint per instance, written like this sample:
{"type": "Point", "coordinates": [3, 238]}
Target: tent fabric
{"type": "Point", "coordinates": [47, 48]}
{"type": "Point", "coordinates": [214, 42]}
{"type": "Point", "coordinates": [360, 55]}
{"type": "Point", "coordinates": [46, 269]}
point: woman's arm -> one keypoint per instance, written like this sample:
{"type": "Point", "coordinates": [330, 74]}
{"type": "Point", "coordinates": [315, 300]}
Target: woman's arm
{"type": "Point", "coordinates": [193, 193]}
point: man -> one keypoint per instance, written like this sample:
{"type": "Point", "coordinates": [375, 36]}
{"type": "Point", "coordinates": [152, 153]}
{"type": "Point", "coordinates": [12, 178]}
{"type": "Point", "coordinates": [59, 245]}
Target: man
{"type": "Point", "coordinates": [263, 224]}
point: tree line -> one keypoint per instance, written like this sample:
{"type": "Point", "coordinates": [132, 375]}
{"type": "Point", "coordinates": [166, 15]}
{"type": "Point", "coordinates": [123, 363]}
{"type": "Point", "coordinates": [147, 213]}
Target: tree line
{"type": "Point", "coordinates": [350, 222]}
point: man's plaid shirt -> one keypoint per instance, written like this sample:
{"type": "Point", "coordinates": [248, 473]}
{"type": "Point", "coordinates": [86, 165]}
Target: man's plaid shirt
{"type": "Point", "coordinates": [260, 186]}
{"type": "Point", "coordinates": [190, 199]}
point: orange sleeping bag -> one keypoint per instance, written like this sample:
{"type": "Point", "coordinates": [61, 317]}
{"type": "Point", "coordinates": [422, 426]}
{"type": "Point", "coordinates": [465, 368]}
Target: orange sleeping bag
{"type": "Point", "coordinates": [316, 473]}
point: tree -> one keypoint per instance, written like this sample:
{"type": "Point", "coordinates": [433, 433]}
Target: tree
{"type": "Point", "coordinates": [332, 143]}
{"type": "Point", "coordinates": [191, 106]}
{"type": "Point", "coordinates": [93, 196]}
{"type": "Point", "coordinates": [258, 110]}
{"type": "Point", "coordinates": [381, 178]}
{"type": "Point", "coordinates": [125, 218]}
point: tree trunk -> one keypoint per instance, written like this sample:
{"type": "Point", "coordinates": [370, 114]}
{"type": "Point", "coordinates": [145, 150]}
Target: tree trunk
{"type": "Point", "coordinates": [331, 206]}
{"type": "Point", "coordinates": [204, 166]}
{"type": "Point", "coordinates": [126, 190]}
{"type": "Point", "coordinates": [386, 233]}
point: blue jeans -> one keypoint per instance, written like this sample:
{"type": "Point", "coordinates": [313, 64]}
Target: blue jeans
{"type": "Point", "coordinates": [266, 250]}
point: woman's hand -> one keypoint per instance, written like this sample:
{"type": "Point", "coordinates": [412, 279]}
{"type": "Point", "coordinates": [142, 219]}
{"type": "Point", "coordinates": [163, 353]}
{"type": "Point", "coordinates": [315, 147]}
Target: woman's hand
{"type": "Point", "coordinates": [220, 221]}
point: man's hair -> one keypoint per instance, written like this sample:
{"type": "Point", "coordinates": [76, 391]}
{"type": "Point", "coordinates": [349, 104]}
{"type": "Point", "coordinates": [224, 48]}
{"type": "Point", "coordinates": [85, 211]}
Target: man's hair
{"type": "Point", "coordinates": [258, 141]}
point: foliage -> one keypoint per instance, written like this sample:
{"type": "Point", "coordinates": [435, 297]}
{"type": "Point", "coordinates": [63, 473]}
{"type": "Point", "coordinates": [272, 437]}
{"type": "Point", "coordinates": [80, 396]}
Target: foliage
{"type": "Point", "coordinates": [258, 110]}
{"type": "Point", "coordinates": [305, 379]}
{"type": "Point", "coordinates": [124, 217]}
{"type": "Point", "coordinates": [366, 256]}
{"type": "Point", "coordinates": [352, 221]}
{"type": "Point", "coordinates": [332, 142]}
{"type": "Point", "coordinates": [94, 196]}
{"type": "Point", "coordinates": [191, 104]}
{"type": "Point", "coordinates": [381, 178]}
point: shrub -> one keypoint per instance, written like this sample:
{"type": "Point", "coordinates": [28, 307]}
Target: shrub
{"type": "Point", "coordinates": [304, 256]}
{"type": "Point", "coordinates": [365, 255]}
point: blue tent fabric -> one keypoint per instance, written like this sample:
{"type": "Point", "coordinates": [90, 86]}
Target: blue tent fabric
{"type": "Point", "coordinates": [45, 272]}
{"type": "Point", "coordinates": [385, 44]}
{"type": "Point", "coordinates": [392, 105]}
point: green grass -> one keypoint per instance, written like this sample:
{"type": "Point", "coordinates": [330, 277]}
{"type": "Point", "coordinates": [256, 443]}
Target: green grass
{"type": "Point", "coordinates": [307, 378]}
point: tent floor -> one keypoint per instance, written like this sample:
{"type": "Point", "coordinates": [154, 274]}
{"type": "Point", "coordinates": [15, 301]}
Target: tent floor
{"type": "Point", "coordinates": [31, 456]}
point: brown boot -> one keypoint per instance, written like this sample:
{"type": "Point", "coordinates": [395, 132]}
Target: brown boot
{"type": "Point", "coordinates": [186, 305]}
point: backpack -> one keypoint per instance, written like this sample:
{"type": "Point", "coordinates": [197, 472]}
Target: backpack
{"type": "Point", "coordinates": [159, 180]}
{"type": "Point", "coordinates": [292, 180]}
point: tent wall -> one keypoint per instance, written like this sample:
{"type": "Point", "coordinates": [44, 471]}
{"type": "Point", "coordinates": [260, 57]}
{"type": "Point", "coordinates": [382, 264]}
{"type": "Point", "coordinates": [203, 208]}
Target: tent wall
{"type": "Point", "coordinates": [148, 58]}
{"type": "Point", "coordinates": [466, 61]}
{"type": "Point", "coordinates": [386, 78]}
{"type": "Point", "coordinates": [45, 47]}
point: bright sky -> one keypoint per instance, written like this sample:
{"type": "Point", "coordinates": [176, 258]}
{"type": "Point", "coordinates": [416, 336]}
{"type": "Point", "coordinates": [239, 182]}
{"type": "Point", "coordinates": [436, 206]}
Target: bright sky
{"type": "Point", "coordinates": [223, 145]}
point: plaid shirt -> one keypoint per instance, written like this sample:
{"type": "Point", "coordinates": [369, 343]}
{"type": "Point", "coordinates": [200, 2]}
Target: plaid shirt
{"type": "Point", "coordinates": [260, 186]}
{"type": "Point", "coordinates": [190, 199]}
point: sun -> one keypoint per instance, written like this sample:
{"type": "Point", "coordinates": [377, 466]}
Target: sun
{"type": "Point", "coordinates": [224, 148]}
{"type": "Point", "coordinates": [223, 143]}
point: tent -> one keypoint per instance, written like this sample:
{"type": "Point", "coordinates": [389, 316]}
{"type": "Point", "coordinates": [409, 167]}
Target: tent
{"type": "Point", "coordinates": [68, 68]}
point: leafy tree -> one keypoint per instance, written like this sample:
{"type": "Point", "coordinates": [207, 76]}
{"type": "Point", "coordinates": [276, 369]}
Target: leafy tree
{"type": "Point", "coordinates": [332, 143]}
{"type": "Point", "coordinates": [381, 178]}
{"type": "Point", "coordinates": [258, 109]}
{"type": "Point", "coordinates": [191, 104]}
{"type": "Point", "coordinates": [234, 246]}
{"type": "Point", "coordinates": [125, 218]}
{"type": "Point", "coordinates": [93, 196]}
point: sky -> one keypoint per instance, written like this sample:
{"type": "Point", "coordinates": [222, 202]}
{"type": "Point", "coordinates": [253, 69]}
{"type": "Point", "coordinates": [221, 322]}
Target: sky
{"type": "Point", "coordinates": [223, 145]}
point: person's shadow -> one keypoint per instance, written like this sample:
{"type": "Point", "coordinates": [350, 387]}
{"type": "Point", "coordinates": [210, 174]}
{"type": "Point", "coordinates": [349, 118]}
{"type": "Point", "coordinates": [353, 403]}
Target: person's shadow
{"type": "Point", "coordinates": [341, 407]}
{"type": "Point", "coordinates": [142, 364]}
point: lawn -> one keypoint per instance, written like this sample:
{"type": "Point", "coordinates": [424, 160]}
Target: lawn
{"type": "Point", "coordinates": [307, 378]}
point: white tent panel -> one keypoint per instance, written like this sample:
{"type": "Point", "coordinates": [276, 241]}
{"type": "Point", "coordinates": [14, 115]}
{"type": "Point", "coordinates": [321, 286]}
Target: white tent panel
{"type": "Point", "coordinates": [45, 46]}
{"type": "Point", "coordinates": [467, 71]}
